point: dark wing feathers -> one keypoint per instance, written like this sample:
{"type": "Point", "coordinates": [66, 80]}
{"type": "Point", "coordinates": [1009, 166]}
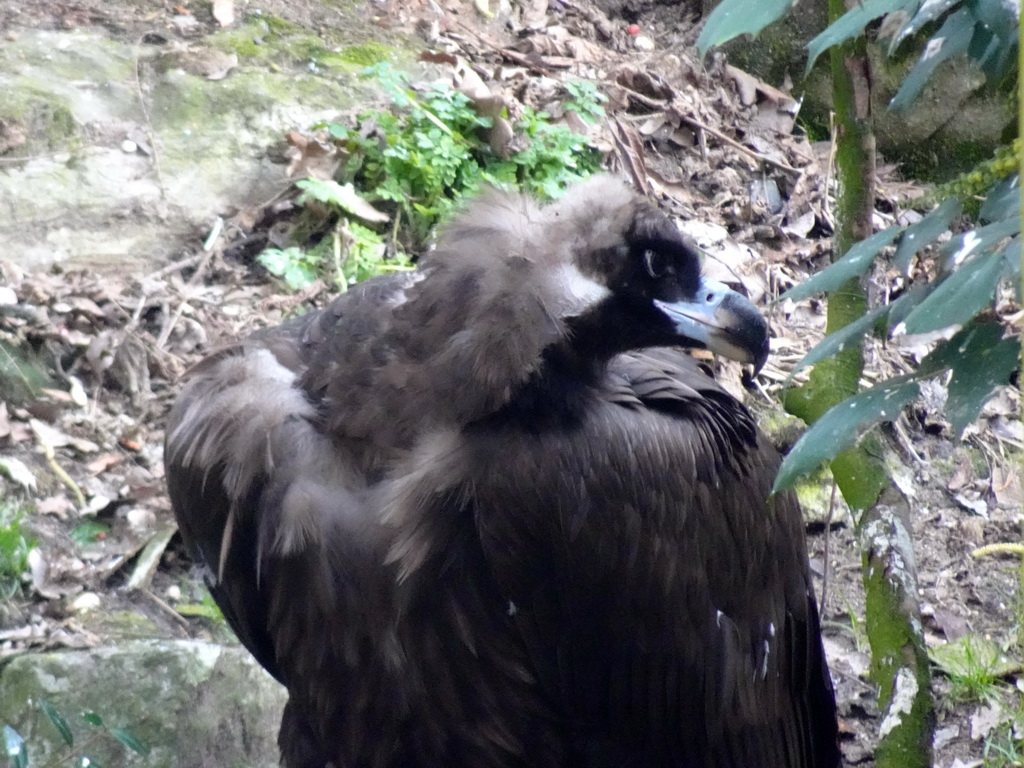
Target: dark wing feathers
{"type": "Point", "coordinates": [589, 578]}
{"type": "Point", "coordinates": [278, 516]}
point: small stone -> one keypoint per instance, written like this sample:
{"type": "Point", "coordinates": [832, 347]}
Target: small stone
{"type": "Point", "coordinates": [643, 43]}
{"type": "Point", "coordinates": [972, 531]}
{"type": "Point", "coordinates": [140, 519]}
{"type": "Point", "coordinates": [129, 147]}
{"type": "Point", "coordinates": [85, 602]}
{"type": "Point", "coordinates": [173, 593]}
{"type": "Point", "coordinates": [7, 295]}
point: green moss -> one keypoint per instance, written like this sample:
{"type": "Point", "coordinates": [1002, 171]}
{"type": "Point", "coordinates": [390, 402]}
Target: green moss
{"type": "Point", "coordinates": [186, 102]}
{"type": "Point", "coordinates": [122, 625]}
{"type": "Point", "coordinates": [245, 47]}
{"type": "Point", "coordinates": [59, 123]}
{"type": "Point", "coordinates": [47, 118]}
{"type": "Point", "coordinates": [278, 25]}
{"type": "Point", "coordinates": [258, 41]}
{"type": "Point", "coordinates": [366, 54]}
{"type": "Point", "coordinates": [815, 496]}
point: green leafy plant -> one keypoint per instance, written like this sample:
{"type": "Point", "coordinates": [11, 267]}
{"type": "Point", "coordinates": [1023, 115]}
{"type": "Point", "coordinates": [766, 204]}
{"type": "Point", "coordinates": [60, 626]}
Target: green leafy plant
{"type": "Point", "coordinates": [432, 148]}
{"type": "Point", "coordinates": [585, 99]}
{"type": "Point", "coordinates": [418, 159]}
{"type": "Point", "coordinates": [15, 547]}
{"type": "Point", "coordinates": [966, 271]}
{"type": "Point", "coordinates": [984, 30]}
{"type": "Point", "coordinates": [952, 292]}
{"type": "Point", "coordinates": [1005, 749]}
{"type": "Point", "coordinates": [77, 746]}
{"type": "Point", "coordinates": [293, 265]}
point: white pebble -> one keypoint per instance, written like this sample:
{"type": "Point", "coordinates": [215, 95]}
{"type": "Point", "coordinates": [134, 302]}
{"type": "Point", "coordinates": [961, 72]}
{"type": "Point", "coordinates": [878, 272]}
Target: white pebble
{"type": "Point", "coordinates": [85, 602]}
{"type": "Point", "coordinates": [643, 43]}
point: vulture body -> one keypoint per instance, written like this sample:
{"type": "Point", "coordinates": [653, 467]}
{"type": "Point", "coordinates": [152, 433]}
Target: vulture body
{"type": "Point", "coordinates": [483, 515]}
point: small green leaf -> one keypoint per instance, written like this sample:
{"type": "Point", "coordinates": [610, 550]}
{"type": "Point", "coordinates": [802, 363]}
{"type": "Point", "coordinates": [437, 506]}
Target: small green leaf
{"type": "Point", "coordinates": [342, 195]}
{"type": "Point", "coordinates": [981, 360]}
{"type": "Point", "coordinates": [92, 718]}
{"type": "Point", "coordinates": [839, 427]}
{"type": "Point", "coordinates": [15, 747]}
{"type": "Point", "coordinates": [58, 721]}
{"type": "Point", "coordinates": [732, 18]}
{"type": "Point", "coordinates": [291, 264]}
{"type": "Point", "coordinates": [924, 232]}
{"type": "Point", "coordinates": [959, 297]}
{"type": "Point", "coordinates": [88, 532]}
{"type": "Point", "coordinates": [129, 739]}
{"type": "Point", "coordinates": [952, 39]}
{"type": "Point", "coordinates": [854, 263]}
{"type": "Point", "coordinates": [338, 131]}
{"type": "Point", "coordinates": [851, 24]}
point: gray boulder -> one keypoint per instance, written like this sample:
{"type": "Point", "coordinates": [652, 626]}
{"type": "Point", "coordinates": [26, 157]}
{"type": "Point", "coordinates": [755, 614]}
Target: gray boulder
{"type": "Point", "coordinates": [190, 703]}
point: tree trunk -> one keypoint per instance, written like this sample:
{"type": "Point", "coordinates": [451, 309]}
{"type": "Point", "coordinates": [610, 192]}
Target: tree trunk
{"type": "Point", "coordinates": [899, 658]}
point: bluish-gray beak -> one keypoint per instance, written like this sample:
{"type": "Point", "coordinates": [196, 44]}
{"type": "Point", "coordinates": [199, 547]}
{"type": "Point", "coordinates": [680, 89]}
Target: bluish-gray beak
{"type": "Point", "coordinates": [723, 321]}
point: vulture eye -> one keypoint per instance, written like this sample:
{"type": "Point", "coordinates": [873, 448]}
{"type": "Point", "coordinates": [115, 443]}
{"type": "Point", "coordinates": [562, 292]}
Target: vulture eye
{"type": "Point", "coordinates": [657, 263]}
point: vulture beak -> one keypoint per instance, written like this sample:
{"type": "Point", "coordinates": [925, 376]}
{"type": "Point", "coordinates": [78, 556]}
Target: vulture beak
{"type": "Point", "coordinates": [722, 320]}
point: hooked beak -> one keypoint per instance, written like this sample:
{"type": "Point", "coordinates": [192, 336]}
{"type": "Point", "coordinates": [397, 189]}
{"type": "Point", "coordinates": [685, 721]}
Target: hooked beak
{"type": "Point", "coordinates": [723, 321]}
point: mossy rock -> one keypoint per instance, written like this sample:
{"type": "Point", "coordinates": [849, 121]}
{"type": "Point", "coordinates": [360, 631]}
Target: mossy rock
{"type": "Point", "coordinates": [190, 703]}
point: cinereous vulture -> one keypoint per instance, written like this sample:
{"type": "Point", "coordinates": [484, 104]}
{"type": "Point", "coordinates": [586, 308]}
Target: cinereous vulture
{"type": "Point", "coordinates": [485, 513]}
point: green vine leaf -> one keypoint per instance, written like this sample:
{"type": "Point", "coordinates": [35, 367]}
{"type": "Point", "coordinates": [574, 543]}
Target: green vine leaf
{"type": "Point", "coordinates": [732, 18]}
{"type": "Point", "coordinates": [839, 427]}
{"type": "Point", "coordinates": [854, 263]}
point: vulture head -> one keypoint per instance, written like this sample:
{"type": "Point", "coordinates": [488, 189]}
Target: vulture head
{"type": "Point", "coordinates": [655, 293]}
{"type": "Point", "coordinates": [612, 271]}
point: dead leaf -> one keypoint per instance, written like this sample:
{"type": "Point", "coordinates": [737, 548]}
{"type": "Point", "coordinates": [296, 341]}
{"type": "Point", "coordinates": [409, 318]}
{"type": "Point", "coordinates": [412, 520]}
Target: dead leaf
{"type": "Point", "coordinates": [1006, 486]}
{"type": "Point", "coordinates": [351, 201]}
{"type": "Point", "coordinates": [58, 506]}
{"type": "Point", "coordinates": [16, 470]}
{"type": "Point", "coordinates": [439, 57]}
{"type": "Point", "coordinates": [103, 462]}
{"type": "Point", "coordinates": [54, 438]}
{"type": "Point", "coordinates": [310, 156]}
{"type": "Point", "coordinates": [630, 151]}
{"type": "Point", "coordinates": [533, 14]}
{"type": "Point", "coordinates": [953, 627]}
{"type": "Point", "coordinates": [131, 445]}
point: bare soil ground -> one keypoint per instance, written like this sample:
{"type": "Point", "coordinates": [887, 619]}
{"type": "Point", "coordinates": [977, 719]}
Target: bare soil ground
{"type": "Point", "coordinates": [716, 145]}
